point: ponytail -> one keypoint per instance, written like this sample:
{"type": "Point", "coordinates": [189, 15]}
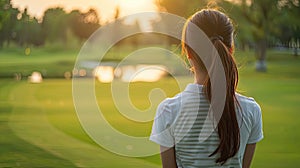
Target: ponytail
{"type": "Point", "coordinates": [228, 128]}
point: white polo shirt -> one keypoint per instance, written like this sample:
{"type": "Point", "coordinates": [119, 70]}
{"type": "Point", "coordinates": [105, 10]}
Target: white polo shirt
{"type": "Point", "coordinates": [180, 120]}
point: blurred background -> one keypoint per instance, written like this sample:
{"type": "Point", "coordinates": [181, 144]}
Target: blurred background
{"type": "Point", "coordinates": [39, 44]}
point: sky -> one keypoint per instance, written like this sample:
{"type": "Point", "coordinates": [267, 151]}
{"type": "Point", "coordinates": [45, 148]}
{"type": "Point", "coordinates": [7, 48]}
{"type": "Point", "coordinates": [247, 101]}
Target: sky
{"type": "Point", "coordinates": [105, 8]}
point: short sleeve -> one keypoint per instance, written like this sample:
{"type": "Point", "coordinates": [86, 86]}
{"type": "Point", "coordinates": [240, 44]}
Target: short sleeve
{"type": "Point", "coordinates": [256, 133]}
{"type": "Point", "coordinates": [161, 129]}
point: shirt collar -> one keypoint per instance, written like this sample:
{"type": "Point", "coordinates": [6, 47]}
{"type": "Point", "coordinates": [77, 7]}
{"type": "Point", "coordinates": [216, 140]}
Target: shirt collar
{"type": "Point", "coordinates": [194, 88]}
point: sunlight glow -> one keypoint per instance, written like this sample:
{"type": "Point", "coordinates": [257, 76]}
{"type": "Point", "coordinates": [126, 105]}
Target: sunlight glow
{"type": "Point", "coordinates": [142, 73]}
{"type": "Point", "coordinates": [147, 73]}
{"type": "Point", "coordinates": [130, 73]}
{"type": "Point", "coordinates": [35, 77]}
{"type": "Point", "coordinates": [105, 8]}
{"type": "Point", "coordinates": [104, 74]}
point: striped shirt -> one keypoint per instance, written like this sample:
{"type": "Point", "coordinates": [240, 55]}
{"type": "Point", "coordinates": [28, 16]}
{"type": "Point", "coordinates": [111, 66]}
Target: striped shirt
{"type": "Point", "coordinates": [181, 122]}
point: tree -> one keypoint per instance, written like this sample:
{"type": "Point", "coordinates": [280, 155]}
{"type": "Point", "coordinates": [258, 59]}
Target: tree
{"type": "Point", "coordinates": [180, 7]}
{"type": "Point", "coordinates": [8, 19]}
{"type": "Point", "coordinates": [28, 31]}
{"type": "Point", "coordinates": [36, 36]}
{"type": "Point", "coordinates": [84, 24]}
{"type": "Point", "coordinates": [291, 25]}
{"type": "Point", "coordinates": [22, 29]}
{"type": "Point", "coordinates": [266, 17]}
{"type": "Point", "coordinates": [260, 15]}
{"type": "Point", "coordinates": [55, 25]}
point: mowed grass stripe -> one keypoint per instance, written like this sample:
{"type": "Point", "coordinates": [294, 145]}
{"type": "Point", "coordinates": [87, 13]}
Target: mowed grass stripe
{"type": "Point", "coordinates": [29, 122]}
{"type": "Point", "coordinates": [14, 151]}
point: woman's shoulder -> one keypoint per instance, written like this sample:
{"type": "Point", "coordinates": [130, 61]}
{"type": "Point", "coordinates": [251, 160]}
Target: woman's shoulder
{"type": "Point", "coordinates": [248, 104]}
{"type": "Point", "coordinates": [167, 111]}
{"type": "Point", "coordinates": [245, 99]}
{"type": "Point", "coordinates": [170, 104]}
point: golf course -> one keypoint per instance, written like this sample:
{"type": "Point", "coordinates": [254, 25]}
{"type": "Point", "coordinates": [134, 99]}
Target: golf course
{"type": "Point", "coordinates": [39, 126]}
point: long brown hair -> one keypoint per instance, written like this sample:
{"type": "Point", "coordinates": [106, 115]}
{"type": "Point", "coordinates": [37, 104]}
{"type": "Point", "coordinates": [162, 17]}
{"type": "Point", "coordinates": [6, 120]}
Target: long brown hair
{"type": "Point", "coordinates": [219, 28]}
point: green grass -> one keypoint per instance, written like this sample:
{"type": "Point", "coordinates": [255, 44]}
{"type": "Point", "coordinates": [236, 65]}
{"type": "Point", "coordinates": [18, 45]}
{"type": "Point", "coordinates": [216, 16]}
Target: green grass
{"type": "Point", "coordinates": [39, 126]}
{"type": "Point", "coordinates": [14, 151]}
{"type": "Point", "coordinates": [50, 63]}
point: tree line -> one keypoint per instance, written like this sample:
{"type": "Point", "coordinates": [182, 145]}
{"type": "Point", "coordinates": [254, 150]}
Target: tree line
{"type": "Point", "coordinates": [20, 28]}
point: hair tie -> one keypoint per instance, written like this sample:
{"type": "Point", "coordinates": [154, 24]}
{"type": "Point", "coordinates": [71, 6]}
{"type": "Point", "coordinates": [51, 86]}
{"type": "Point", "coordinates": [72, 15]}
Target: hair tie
{"type": "Point", "coordinates": [214, 38]}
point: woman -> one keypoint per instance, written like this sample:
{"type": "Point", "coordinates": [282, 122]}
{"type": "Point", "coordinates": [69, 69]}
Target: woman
{"type": "Point", "coordinates": [180, 120]}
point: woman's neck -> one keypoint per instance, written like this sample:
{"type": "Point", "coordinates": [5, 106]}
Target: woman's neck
{"type": "Point", "coordinates": [199, 77]}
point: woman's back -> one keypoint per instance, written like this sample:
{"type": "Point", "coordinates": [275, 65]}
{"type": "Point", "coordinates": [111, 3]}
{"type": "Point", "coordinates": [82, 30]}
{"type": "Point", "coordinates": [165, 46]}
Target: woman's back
{"type": "Point", "coordinates": [184, 127]}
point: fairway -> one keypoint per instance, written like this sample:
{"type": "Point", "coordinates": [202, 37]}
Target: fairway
{"type": "Point", "coordinates": [54, 133]}
{"type": "Point", "coordinates": [82, 83]}
{"type": "Point", "coordinates": [40, 128]}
